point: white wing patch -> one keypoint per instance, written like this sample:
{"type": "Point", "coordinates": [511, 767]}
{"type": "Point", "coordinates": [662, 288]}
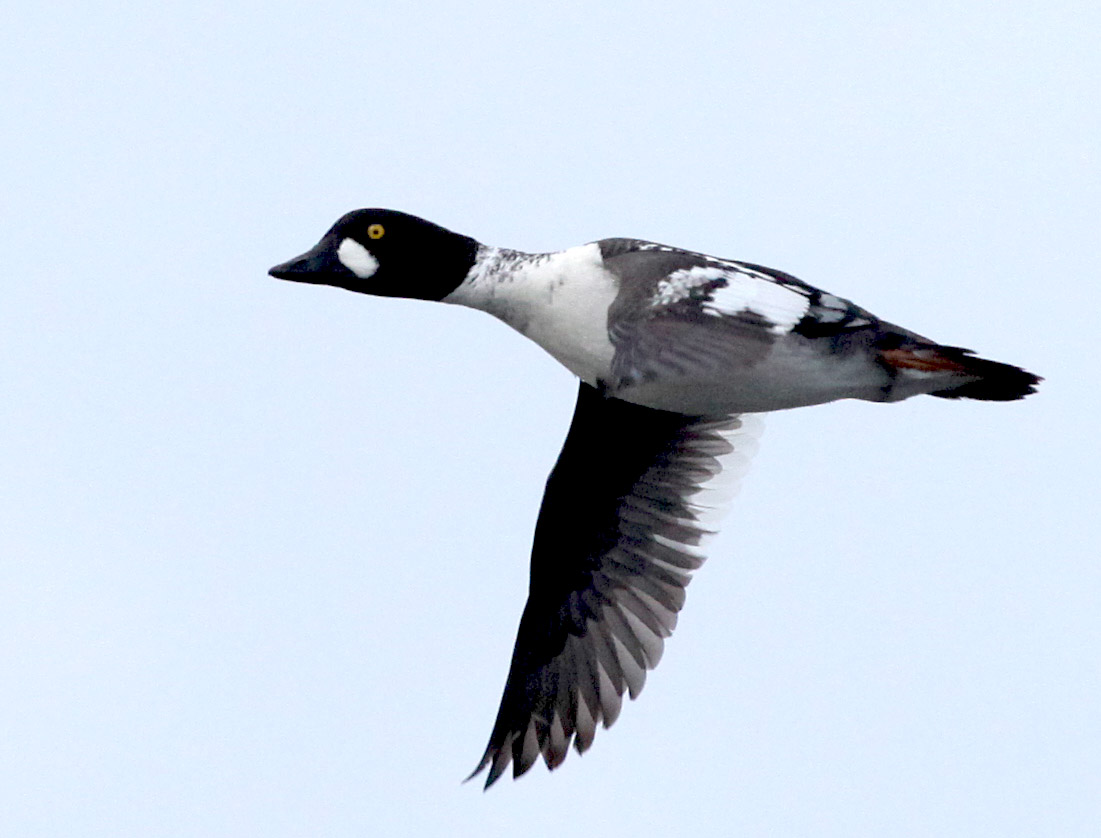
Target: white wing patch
{"type": "Point", "coordinates": [831, 309]}
{"type": "Point", "coordinates": [780, 304]}
{"type": "Point", "coordinates": [743, 290]}
{"type": "Point", "coordinates": [679, 284]}
{"type": "Point", "coordinates": [356, 258]}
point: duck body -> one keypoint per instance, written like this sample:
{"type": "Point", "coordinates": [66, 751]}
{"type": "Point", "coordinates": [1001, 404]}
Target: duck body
{"type": "Point", "coordinates": [675, 351]}
{"type": "Point", "coordinates": [680, 331]}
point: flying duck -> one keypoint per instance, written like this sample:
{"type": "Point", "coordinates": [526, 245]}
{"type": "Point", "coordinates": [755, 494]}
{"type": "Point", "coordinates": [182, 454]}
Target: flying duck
{"type": "Point", "coordinates": [674, 351]}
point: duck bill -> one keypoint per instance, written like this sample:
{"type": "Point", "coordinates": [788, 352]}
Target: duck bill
{"type": "Point", "coordinates": [313, 266]}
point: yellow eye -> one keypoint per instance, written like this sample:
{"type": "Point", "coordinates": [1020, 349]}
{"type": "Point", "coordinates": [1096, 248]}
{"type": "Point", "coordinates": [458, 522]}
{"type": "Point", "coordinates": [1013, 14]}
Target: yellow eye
{"type": "Point", "coordinates": [376, 231]}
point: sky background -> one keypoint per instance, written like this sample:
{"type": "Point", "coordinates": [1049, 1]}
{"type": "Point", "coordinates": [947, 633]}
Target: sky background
{"type": "Point", "coordinates": [264, 546]}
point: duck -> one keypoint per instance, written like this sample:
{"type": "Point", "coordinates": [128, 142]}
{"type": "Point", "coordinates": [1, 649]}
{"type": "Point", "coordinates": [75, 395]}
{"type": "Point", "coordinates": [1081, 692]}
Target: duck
{"type": "Point", "coordinates": [677, 353]}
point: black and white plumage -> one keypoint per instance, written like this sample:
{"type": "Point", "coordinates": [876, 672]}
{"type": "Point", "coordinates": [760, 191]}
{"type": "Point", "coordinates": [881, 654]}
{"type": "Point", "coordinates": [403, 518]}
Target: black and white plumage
{"type": "Point", "coordinates": [673, 350]}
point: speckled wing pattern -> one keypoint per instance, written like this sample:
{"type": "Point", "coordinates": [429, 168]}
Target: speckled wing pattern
{"type": "Point", "coordinates": [615, 545]}
{"type": "Point", "coordinates": [685, 313]}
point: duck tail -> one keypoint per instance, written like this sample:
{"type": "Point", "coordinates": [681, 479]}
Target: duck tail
{"type": "Point", "coordinates": [965, 376]}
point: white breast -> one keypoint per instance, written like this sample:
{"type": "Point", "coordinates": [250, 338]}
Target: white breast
{"type": "Point", "coordinates": [559, 300]}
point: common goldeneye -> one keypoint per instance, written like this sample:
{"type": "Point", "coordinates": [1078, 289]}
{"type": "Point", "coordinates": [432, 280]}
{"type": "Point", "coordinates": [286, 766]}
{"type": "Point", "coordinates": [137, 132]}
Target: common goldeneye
{"type": "Point", "coordinates": [672, 348]}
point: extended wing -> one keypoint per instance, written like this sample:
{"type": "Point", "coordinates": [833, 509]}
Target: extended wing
{"type": "Point", "coordinates": [615, 545]}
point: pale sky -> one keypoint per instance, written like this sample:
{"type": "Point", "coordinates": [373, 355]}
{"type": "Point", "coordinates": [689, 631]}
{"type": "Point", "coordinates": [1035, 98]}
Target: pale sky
{"type": "Point", "coordinates": [264, 546]}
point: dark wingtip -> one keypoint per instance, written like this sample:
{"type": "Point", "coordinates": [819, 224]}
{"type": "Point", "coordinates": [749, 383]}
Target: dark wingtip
{"type": "Point", "coordinates": [487, 757]}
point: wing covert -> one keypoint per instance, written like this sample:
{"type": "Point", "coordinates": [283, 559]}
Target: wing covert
{"type": "Point", "coordinates": [686, 314]}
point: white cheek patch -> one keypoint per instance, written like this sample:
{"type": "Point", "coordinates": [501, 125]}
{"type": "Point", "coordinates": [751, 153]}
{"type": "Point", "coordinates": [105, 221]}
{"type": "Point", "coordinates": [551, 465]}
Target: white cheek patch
{"type": "Point", "coordinates": [356, 258]}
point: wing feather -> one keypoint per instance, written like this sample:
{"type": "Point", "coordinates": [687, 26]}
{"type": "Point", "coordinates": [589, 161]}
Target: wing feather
{"type": "Point", "coordinates": [616, 542]}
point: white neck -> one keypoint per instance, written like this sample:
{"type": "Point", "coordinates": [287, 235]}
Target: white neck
{"type": "Point", "coordinates": [559, 300]}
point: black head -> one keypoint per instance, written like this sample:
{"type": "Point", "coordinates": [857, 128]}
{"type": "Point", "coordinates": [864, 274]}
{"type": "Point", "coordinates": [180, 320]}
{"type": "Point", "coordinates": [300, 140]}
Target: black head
{"type": "Point", "coordinates": [387, 253]}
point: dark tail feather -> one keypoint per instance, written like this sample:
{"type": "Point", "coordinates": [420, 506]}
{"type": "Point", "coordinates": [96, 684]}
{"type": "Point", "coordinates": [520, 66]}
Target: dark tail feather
{"type": "Point", "coordinates": [989, 380]}
{"type": "Point", "coordinates": [997, 382]}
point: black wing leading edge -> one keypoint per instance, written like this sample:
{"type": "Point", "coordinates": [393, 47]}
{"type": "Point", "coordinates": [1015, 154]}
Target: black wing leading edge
{"type": "Point", "coordinates": [616, 542]}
